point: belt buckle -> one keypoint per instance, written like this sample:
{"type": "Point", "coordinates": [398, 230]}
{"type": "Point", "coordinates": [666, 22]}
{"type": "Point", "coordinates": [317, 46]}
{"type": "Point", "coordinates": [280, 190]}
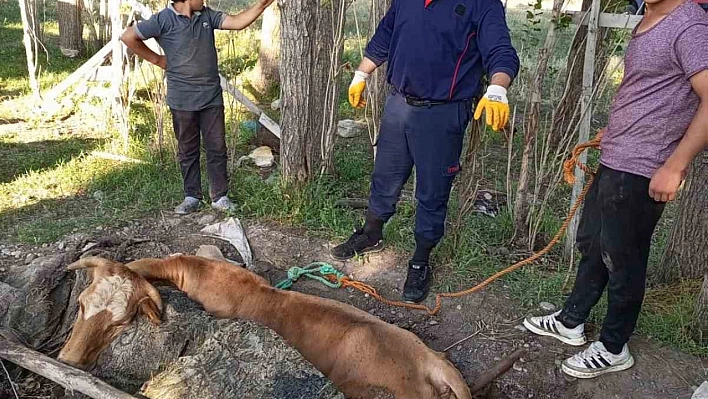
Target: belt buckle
{"type": "Point", "coordinates": [415, 102]}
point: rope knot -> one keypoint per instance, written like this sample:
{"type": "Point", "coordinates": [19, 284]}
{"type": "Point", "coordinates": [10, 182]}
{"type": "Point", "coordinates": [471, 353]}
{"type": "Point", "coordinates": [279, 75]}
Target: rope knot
{"type": "Point", "coordinates": [574, 160]}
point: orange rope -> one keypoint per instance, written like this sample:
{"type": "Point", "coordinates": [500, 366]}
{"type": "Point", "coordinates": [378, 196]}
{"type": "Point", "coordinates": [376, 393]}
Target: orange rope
{"type": "Point", "coordinates": [569, 176]}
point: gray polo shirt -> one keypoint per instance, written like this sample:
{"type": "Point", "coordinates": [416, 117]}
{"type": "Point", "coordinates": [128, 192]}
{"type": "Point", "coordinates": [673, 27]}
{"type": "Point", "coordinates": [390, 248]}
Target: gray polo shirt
{"type": "Point", "coordinates": [192, 66]}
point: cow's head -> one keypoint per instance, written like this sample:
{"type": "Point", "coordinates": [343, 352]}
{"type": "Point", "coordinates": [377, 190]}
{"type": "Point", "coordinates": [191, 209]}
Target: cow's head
{"type": "Point", "coordinates": [106, 308]}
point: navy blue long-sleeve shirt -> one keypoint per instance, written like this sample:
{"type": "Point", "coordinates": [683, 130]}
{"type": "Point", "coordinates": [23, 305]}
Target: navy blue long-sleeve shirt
{"type": "Point", "coordinates": [441, 51]}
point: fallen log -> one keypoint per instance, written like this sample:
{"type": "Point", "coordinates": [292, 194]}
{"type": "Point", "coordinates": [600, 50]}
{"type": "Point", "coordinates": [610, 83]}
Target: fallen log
{"type": "Point", "coordinates": [497, 370]}
{"type": "Point", "coordinates": [66, 376]}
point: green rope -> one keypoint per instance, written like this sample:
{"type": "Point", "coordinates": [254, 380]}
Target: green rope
{"type": "Point", "coordinates": [311, 271]}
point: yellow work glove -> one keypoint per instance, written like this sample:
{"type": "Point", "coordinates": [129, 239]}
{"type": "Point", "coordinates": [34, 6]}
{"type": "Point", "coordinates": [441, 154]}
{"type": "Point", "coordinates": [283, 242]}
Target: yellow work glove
{"type": "Point", "coordinates": [495, 106]}
{"type": "Point", "coordinates": [356, 88]}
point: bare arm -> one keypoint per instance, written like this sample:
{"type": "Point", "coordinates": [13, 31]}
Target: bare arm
{"type": "Point", "coordinates": [134, 42]}
{"type": "Point", "coordinates": [367, 66]}
{"type": "Point", "coordinates": [666, 180]}
{"type": "Point", "coordinates": [245, 18]}
{"type": "Point", "coordinates": [501, 79]}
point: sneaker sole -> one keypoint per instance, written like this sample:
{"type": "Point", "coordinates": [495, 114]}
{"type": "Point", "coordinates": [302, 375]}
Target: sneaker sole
{"type": "Point", "coordinates": [362, 253]}
{"type": "Point", "coordinates": [412, 302]}
{"type": "Point", "coordinates": [592, 374]}
{"type": "Point", "coordinates": [182, 213]}
{"type": "Point", "coordinates": [539, 331]}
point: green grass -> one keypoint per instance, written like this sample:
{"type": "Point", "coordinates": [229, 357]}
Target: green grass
{"type": "Point", "coordinates": [50, 185]}
{"type": "Point", "coordinates": [53, 67]}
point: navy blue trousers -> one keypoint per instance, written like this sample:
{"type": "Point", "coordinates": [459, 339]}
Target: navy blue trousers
{"type": "Point", "coordinates": [430, 138]}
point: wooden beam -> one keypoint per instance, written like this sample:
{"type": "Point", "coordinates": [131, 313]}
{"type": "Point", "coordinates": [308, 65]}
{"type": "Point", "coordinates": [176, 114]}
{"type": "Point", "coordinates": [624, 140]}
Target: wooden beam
{"type": "Point", "coordinates": [585, 117]}
{"type": "Point", "coordinates": [64, 375]}
{"type": "Point", "coordinates": [87, 68]}
{"type": "Point", "coordinates": [263, 119]}
{"type": "Point", "coordinates": [608, 20]}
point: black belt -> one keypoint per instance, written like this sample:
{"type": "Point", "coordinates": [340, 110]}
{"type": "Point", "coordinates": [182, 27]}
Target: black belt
{"type": "Point", "coordinates": [419, 102]}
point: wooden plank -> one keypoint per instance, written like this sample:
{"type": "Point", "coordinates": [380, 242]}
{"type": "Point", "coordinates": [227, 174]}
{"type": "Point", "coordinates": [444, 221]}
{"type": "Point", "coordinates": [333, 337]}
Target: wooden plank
{"type": "Point", "coordinates": [269, 124]}
{"type": "Point", "coordinates": [585, 117]}
{"type": "Point", "coordinates": [89, 66]}
{"type": "Point", "coordinates": [64, 375]}
{"type": "Point", "coordinates": [608, 20]}
{"type": "Point", "coordinates": [263, 119]}
{"type": "Point", "coordinates": [240, 97]}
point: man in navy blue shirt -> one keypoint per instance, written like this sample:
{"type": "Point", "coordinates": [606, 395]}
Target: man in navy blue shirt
{"type": "Point", "coordinates": [437, 53]}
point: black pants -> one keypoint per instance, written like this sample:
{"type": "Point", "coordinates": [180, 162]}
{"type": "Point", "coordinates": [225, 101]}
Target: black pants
{"type": "Point", "coordinates": [614, 236]}
{"type": "Point", "coordinates": [187, 125]}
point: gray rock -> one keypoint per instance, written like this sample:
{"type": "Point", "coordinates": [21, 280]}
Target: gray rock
{"type": "Point", "coordinates": [98, 195]}
{"type": "Point", "coordinates": [547, 306]}
{"type": "Point", "coordinates": [520, 327]}
{"type": "Point", "coordinates": [348, 128]}
{"type": "Point", "coordinates": [206, 219]}
{"type": "Point", "coordinates": [701, 392]}
{"type": "Point", "coordinates": [517, 366]}
{"type": "Point", "coordinates": [30, 258]}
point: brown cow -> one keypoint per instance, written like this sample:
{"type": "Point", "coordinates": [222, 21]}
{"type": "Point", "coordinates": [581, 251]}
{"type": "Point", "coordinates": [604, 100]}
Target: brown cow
{"type": "Point", "coordinates": [362, 355]}
{"type": "Point", "coordinates": [106, 308]}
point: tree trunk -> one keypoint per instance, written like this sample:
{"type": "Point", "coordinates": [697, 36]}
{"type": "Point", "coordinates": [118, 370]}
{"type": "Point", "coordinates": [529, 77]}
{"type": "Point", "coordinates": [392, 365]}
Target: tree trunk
{"type": "Point", "coordinates": [700, 314]}
{"type": "Point", "coordinates": [306, 47]}
{"type": "Point", "coordinates": [377, 87]}
{"type": "Point", "coordinates": [686, 253]}
{"type": "Point", "coordinates": [267, 71]}
{"type": "Point", "coordinates": [28, 12]}
{"type": "Point", "coordinates": [90, 20]}
{"type": "Point", "coordinates": [70, 27]}
{"type": "Point", "coordinates": [104, 27]}
{"type": "Point", "coordinates": [297, 63]}
{"type": "Point", "coordinates": [567, 113]}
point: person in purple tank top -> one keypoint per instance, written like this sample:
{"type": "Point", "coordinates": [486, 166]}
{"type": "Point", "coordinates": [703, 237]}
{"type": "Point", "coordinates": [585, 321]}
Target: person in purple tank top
{"type": "Point", "coordinates": [658, 124]}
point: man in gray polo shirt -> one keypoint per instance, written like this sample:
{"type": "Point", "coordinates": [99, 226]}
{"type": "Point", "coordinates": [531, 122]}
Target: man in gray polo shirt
{"type": "Point", "coordinates": [185, 31]}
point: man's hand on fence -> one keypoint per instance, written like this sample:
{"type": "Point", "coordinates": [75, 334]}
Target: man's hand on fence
{"type": "Point", "coordinates": [356, 88]}
{"type": "Point", "coordinates": [495, 106]}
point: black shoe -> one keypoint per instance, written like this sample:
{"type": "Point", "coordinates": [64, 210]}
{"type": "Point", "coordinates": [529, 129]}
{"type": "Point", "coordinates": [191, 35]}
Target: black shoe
{"type": "Point", "coordinates": [358, 244]}
{"type": "Point", "coordinates": [417, 283]}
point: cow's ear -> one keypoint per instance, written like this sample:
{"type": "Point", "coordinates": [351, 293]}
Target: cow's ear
{"type": "Point", "coordinates": [150, 309]}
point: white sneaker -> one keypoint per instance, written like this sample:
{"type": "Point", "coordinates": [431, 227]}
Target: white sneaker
{"type": "Point", "coordinates": [224, 204]}
{"type": "Point", "coordinates": [596, 360]}
{"type": "Point", "coordinates": [550, 326]}
{"type": "Point", "coordinates": [189, 205]}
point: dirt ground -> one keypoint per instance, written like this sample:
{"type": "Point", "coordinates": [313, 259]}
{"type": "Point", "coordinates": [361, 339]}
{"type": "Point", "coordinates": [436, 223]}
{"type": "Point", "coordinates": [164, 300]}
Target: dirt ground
{"type": "Point", "coordinates": [475, 331]}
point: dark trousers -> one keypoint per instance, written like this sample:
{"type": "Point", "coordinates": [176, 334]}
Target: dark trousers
{"type": "Point", "coordinates": [614, 236]}
{"type": "Point", "coordinates": [187, 126]}
{"type": "Point", "coordinates": [430, 138]}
